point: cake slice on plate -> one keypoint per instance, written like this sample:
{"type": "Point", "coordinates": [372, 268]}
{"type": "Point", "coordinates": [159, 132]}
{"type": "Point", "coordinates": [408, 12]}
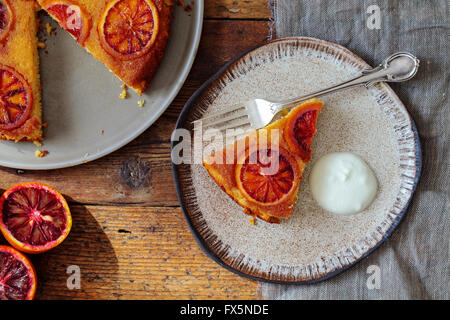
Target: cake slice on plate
{"type": "Point", "coordinates": [128, 36]}
{"type": "Point", "coordinates": [264, 170]}
{"type": "Point", "coordinates": [20, 89]}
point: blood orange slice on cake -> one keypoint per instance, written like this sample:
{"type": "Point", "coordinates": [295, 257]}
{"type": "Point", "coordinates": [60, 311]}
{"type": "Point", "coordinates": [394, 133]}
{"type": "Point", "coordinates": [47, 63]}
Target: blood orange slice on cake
{"type": "Point", "coordinates": [6, 19]}
{"type": "Point", "coordinates": [71, 17]}
{"type": "Point", "coordinates": [17, 275]}
{"type": "Point", "coordinates": [34, 218]}
{"type": "Point", "coordinates": [270, 178]}
{"type": "Point", "coordinates": [15, 98]}
{"type": "Point", "coordinates": [301, 127]}
{"type": "Point", "coordinates": [128, 28]}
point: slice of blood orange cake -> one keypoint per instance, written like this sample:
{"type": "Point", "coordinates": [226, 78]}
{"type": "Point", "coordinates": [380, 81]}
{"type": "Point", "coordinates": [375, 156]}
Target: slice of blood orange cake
{"type": "Point", "coordinates": [266, 167]}
{"type": "Point", "coordinates": [20, 89]}
{"type": "Point", "coordinates": [128, 36]}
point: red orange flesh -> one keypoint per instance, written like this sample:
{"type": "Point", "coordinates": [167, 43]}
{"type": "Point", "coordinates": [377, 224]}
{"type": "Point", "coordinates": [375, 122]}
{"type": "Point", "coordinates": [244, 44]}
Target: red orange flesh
{"type": "Point", "coordinates": [71, 17]}
{"type": "Point", "coordinates": [300, 129]}
{"type": "Point", "coordinates": [34, 218]}
{"type": "Point", "coordinates": [268, 180]}
{"type": "Point", "coordinates": [17, 275]}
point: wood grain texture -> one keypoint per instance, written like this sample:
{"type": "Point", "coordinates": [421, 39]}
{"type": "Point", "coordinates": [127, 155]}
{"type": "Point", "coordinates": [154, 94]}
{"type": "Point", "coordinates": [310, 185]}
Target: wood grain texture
{"type": "Point", "coordinates": [233, 9]}
{"type": "Point", "coordinates": [130, 252]}
{"type": "Point", "coordinates": [129, 236]}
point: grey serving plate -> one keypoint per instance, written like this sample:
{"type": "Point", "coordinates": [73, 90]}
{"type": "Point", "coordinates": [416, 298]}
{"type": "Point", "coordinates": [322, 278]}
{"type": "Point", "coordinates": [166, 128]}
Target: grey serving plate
{"type": "Point", "coordinates": [86, 118]}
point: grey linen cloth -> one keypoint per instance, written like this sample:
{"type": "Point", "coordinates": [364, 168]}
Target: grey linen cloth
{"type": "Point", "coordinates": [414, 261]}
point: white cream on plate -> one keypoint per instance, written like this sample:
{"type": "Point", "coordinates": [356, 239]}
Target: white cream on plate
{"type": "Point", "coordinates": [343, 183]}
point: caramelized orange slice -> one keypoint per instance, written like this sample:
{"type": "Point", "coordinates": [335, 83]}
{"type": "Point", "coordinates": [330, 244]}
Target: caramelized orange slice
{"type": "Point", "coordinates": [301, 127]}
{"type": "Point", "coordinates": [129, 28]}
{"type": "Point", "coordinates": [267, 176]}
{"type": "Point", "coordinates": [71, 18]}
{"type": "Point", "coordinates": [6, 19]}
{"type": "Point", "coordinates": [15, 98]}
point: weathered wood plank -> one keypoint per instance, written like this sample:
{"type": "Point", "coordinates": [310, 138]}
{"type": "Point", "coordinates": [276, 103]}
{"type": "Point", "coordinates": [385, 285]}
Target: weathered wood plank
{"type": "Point", "coordinates": [233, 9]}
{"type": "Point", "coordinates": [132, 252]}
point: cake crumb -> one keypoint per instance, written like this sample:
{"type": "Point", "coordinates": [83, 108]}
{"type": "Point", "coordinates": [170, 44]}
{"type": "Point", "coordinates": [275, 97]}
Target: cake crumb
{"type": "Point", "coordinates": [124, 93]}
{"type": "Point", "coordinates": [252, 221]}
{"type": "Point", "coordinates": [40, 154]}
{"type": "Point", "coordinates": [141, 103]}
{"type": "Point", "coordinates": [37, 143]}
{"type": "Point", "coordinates": [45, 124]}
{"type": "Point", "coordinates": [41, 45]}
{"type": "Point", "coordinates": [48, 28]}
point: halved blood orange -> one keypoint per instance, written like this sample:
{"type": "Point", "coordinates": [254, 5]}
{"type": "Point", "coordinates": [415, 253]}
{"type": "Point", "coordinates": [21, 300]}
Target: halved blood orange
{"type": "Point", "coordinates": [15, 98]}
{"type": "Point", "coordinates": [34, 218]}
{"type": "Point", "coordinates": [129, 28]}
{"type": "Point", "coordinates": [6, 18]}
{"type": "Point", "coordinates": [17, 275]}
{"type": "Point", "coordinates": [301, 127]}
{"type": "Point", "coordinates": [72, 18]}
{"type": "Point", "coordinates": [267, 176]}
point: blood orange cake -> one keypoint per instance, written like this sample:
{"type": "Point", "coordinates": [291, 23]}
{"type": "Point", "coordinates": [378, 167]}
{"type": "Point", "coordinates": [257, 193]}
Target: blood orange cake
{"type": "Point", "coordinates": [20, 90]}
{"type": "Point", "coordinates": [265, 172]}
{"type": "Point", "coordinates": [128, 36]}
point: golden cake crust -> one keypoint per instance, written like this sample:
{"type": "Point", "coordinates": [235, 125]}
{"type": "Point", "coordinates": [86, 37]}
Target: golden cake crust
{"type": "Point", "coordinates": [18, 51]}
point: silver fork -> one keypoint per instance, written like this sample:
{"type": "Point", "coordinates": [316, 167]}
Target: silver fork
{"type": "Point", "coordinates": [258, 113]}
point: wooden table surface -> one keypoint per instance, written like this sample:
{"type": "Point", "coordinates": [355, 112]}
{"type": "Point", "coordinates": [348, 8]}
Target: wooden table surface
{"type": "Point", "coordinates": [129, 236]}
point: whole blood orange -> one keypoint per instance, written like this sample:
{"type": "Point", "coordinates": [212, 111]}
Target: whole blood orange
{"type": "Point", "coordinates": [34, 218]}
{"type": "Point", "coordinates": [71, 17]}
{"type": "Point", "coordinates": [129, 28]}
{"type": "Point", "coordinates": [6, 19]}
{"type": "Point", "coordinates": [301, 127]}
{"type": "Point", "coordinates": [17, 275]}
{"type": "Point", "coordinates": [267, 176]}
{"type": "Point", "coordinates": [15, 98]}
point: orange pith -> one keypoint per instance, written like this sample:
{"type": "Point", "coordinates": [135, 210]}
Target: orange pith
{"type": "Point", "coordinates": [268, 176]}
{"type": "Point", "coordinates": [300, 129]}
{"type": "Point", "coordinates": [34, 218]}
{"type": "Point", "coordinates": [17, 275]}
{"type": "Point", "coordinates": [71, 17]}
{"type": "Point", "coordinates": [129, 28]}
{"type": "Point", "coordinates": [6, 18]}
{"type": "Point", "coordinates": [15, 98]}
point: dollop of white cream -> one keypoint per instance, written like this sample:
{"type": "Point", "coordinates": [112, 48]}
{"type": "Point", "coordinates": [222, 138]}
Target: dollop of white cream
{"type": "Point", "coordinates": [343, 183]}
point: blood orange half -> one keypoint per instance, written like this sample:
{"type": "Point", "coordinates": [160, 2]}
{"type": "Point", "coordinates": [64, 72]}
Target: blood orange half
{"type": "Point", "coordinates": [129, 28]}
{"type": "Point", "coordinates": [267, 176]}
{"type": "Point", "coordinates": [17, 275]}
{"type": "Point", "coordinates": [6, 19]}
{"type": "Point", "coordinates": [301, 127]}
{"type": "Point", "coordinates": [71, 17]}
{"type": "Point", "coordinates": [34, 218]}
{"type": "Point", "coordinates": [15, 98]}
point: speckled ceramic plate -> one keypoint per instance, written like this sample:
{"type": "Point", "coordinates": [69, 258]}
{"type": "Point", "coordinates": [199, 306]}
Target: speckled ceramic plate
{"type": "Point", "coordinates": [86, 118]}
{"type": "Point", "coordinates": [312, 244]}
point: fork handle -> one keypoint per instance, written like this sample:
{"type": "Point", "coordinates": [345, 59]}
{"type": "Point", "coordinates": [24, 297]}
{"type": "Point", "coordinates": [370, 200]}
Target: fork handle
{"type": "Point", "coordinates": [399, 67]}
